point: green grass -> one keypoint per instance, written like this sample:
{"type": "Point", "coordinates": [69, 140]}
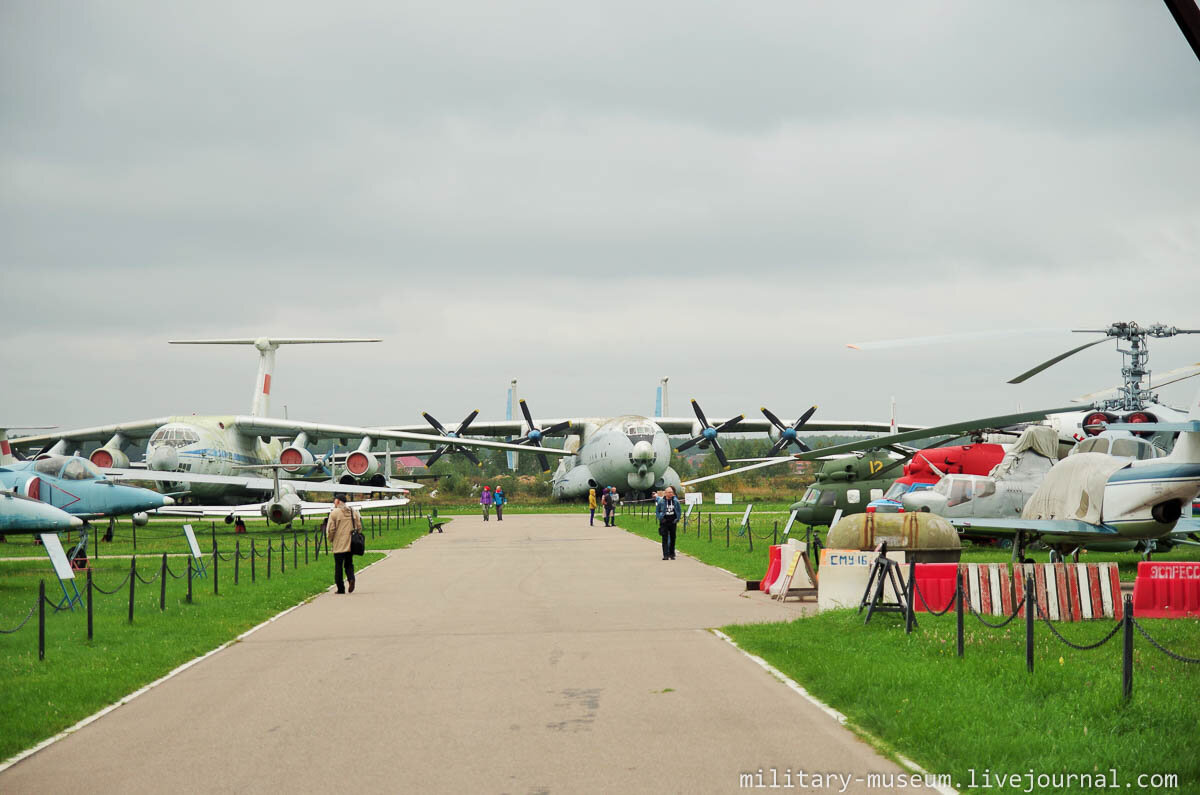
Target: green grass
{"type": "Point", "coordinates": [984, 711]}
{"type": "Point", "coordinates": [750, 564]}
{"type": "Point", "coordinates": [167, 536]}
{"type": "Point", "coordinates": [78, 677]}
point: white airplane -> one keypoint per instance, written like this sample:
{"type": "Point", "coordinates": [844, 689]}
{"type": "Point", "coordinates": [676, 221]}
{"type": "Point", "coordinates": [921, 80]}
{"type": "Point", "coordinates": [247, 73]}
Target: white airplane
{"type": "Point", "coordinates": [217, 445]}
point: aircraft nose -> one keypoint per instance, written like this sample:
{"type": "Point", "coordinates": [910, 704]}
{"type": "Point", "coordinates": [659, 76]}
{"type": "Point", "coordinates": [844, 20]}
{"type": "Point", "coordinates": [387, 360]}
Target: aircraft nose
{"type": "Point", "coordinates": [163, 458]}
{"type": "Point", "coordinates": [643, 451]}
{"type": "Point", "coordinates": [76, 522]}
{"type": "Point", "coordinates": [168, 501]}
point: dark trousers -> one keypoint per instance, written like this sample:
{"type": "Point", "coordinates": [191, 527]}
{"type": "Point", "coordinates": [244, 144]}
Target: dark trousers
{"type": "Point", "coordinates": [610, 519]}
{"type": "Point", "coordinates": [592, 517]}
{"type": "Point", "coordinates": [499, 513]}
{"type": "Point", "coordinates": [667, 531]}
{"type": "Point", "coordinates": [342, 560]}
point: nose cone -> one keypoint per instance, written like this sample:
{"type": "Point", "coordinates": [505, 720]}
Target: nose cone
{"type": "Point", "coordinates": [76, 522]}
{"type": "Point", "coordinates": [163, 458]}
{"type": "Point", "coordinates": [168, 501]}
{"type": "Point", "coordinates": [643, 452]}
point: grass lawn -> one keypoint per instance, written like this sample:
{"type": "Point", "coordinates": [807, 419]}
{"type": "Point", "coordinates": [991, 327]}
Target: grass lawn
{"type": "Point", "coordinates": [985, 712]}
{"type": "Point", "coordinates": [78, 677]}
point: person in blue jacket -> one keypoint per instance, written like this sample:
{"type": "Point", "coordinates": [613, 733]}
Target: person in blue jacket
{"type": "Point", "coordinates": [499, 499]}
{"type": "Point", "coordinates": [667, 511]}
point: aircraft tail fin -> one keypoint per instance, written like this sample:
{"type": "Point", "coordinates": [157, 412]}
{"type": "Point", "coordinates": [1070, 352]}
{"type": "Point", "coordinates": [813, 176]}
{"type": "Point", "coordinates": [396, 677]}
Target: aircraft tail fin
{"type": "Point", "coordinates": [660, 400]}
{"type": "Point", "coordinates": [260, 405]}
{"type": "Point", "coordinates": [6, 456]}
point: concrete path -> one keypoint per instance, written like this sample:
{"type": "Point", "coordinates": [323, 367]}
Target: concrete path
{"type": "Point", "coordinates": [533, 655]}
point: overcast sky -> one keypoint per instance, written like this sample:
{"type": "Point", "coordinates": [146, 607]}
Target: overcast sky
{"type": "Point", "coordinates": [587, 196]}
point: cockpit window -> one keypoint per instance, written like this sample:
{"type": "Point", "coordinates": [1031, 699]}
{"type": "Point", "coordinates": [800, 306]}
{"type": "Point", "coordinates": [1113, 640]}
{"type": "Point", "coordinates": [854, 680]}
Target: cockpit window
{"type": "Point", "coordinates": [174, 436]}
{"type": "Point", "coordinates": [639, 433]}
{"type": "Point", "coordinates": [897, 491]}
{"type": "Point", "coordinates": [810, 496]}
{"type": "Point", "coordinates": [79, 469]}
{"type": "Point", "coordinates": [828, 498]}
{"type": "Point", "coordinates": [50, 466]}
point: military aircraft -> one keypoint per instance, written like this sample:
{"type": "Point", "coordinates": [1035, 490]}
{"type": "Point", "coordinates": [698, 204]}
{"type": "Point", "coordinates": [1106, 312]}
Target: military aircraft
{"type": "Point", "coordinates": [1093, 497]}
{"type": "Point", "coordinates": [631, 452]}
{"type": "Point", "coordinates": [282, 507]}
{"type": "Point", "coordinates": [74, 485]}
{"type": "Point", "coordinates": [216, 445]}
{"type": "Point", "coordinates": [25, 515]}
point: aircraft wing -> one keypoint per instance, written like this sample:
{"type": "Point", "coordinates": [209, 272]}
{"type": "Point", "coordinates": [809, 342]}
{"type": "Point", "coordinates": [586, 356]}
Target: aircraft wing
{"type": "Point", "coordinates": [1047, 529]}
{"type": "Point", "coordinates": [256, 483]}
{"type": "Point", "coordinates": [680, 426]}
{"type": "Point", "coordinates": [138, 429]}
{"type": "Point", "coordinates": [254, 510]}
{"type": "Point", "coordinates": [489, 428]}
{"type": "Point", "coordinates": [265, 426]}
{"type": "Point", "coordinates": [894, 438]}
{"type": "Point", "coordinates": [322, 508]}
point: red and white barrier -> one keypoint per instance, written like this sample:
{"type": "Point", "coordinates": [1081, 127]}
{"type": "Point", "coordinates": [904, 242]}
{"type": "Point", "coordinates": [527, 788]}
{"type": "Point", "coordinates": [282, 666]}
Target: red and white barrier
{"type": "Point", "coordinates": [1167, 590]}
{"type": "Point", "coordinates": [1073, 591]}
{"type": "Point", "coordinates": [988, 588]}
{"type": "Point", "coordinates": [773, 569]}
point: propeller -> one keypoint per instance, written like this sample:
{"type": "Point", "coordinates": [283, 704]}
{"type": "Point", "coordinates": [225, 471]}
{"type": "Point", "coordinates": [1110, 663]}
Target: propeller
{"type": "Point", "coordinates": [787, 434]}
{"type": "Point", "coordinates": [450, 447]}
{"type": "Point", "coordinates": [534, 435]}
{"type": "Point", "coordinates": [709, 433]}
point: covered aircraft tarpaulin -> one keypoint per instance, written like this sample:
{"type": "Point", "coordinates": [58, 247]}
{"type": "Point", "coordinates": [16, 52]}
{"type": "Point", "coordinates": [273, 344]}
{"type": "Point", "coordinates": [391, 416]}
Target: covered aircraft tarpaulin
{"type": "Point", "coordinates": [1074, 489]}
{"type": "Point", "coordinates": [1040, 439]}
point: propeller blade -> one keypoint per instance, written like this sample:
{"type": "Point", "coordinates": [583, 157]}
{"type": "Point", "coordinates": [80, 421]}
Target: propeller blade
{"type": "Point", "coordinates": [775, 448]}
{"type": "Point", "coordinates": [771, 418]}
{"type": "Point", "coordinates": [1050, 362]}
{"type": "Point", "coordinates": [441, 451]}
{"type": "Point", "coordinates": [699, 414]}
{"type": "Point", "coordinates": [541, 457]}
{"type": "Point", "coordinates": [462, 426]}
{"type": "Point", "coordinates": [470, 456]}
{"type": "Point", "coordinates": [528, 416]}
{"type": "Point", "coordinates": [689, 443]}
{"type": "Point", "coordinates": [804, 448]}
{"type": "Point", "coordinates": [720, 455]}
{"type": "Point", "coordinates": [433, 421]}
{"type": "Point", "coordinates": [727, 424]}
{"type": "Point", "coordinates": [805, 417]}
{"type": "Point", "coordinates": [556, 427]}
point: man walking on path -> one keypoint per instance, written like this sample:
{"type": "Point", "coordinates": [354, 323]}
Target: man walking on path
{"type": "Point", "coordinates": [499, 499]}
{"type": "Point", "coordinates": [485, 501]}
{"type": "Point", "coordinates": [666, 510]}
{"type": "Point", "coordinates": [338, 528]}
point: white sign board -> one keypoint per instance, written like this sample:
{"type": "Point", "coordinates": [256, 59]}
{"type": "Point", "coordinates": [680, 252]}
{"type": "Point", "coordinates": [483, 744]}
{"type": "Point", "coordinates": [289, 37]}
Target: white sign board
{"type": "Point", "coordinates": [694, 498]}
{"type": "Point", "coordinates": [191, 539]}
{"type": "Point", "coordinates": [689, 511]}
{"type": "Point", "coordinates": [62, 567]}
{"type": "Point", "coordinates": [787, 528]}
{"type": "Point", "coordinates": [746, 515]}
{"type": "Point", "coordinates": [844, 574]}
{"type": "Point", "coordinates": [723, 498]}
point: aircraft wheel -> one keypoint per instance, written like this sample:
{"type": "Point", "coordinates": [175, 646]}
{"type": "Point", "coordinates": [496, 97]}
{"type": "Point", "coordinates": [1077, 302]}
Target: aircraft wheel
{"type": "Point", "coordinates": [1055, 556]}
{"type": "Point", "coordinates": [1006, 543]}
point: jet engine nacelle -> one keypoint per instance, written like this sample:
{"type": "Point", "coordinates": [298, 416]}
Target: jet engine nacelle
{"type": "Point", "coordinates": [283, 510]}
{"type": "Point", "coordinates": [295, 458]}
{"type": "Point", "coordinates": [140, 519]}
{"type": "Point", "coordinates": [109, 458]}
{"type": "Point", "coordinates": [574, 484]}
{"type": "Point", "coordinates": [362, 465]}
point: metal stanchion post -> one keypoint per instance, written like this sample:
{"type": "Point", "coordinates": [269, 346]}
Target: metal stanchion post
{"type": "Point", "coordinates": [216, 573]}
{"type": "Point", "coordinates": [1127, 651]}
{"type": "Point", "coordinates": [89, 601]}
{"type": "Point", "coordinates": [726, 531]}
{"type": "Point", "coordinates": [189, 578]}
{"type": "Point", "coordinates": [958, 608]}
{"type": "Point", "coordinates": [253, 567]}
{"type": "Point", "coordinates": [41, 619]}
{"type": "Point", "coordinates": [912, 586]}
{"type": "Point", "coordinates": [775, 533]}
{"type": "Point", "coordinates": [134, 526]}
{"type": "Point", "coordinates": [1030, 609]}
{"type": "Point", "coordinates": [282, 554]}
{"type": "Point", "coordinates": [268, 558]}
{"type": "Point", "coordinates": [162, 584]}
{"type": "Point", "coordinates": [132, 582]}
{"type": "Point", "coordinates": [295, 551]}
{"type": "Point", "coordinates": [306, 549]}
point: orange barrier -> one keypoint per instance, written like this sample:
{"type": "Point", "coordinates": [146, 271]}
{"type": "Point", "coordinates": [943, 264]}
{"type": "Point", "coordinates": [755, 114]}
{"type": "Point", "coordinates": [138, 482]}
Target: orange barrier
{"type": "Point", "coordinates": [1167, 590]}
{"type": "Point", "coordinates": [773, 567]}
{"type": "Point", "coordinates": [1072, 591]}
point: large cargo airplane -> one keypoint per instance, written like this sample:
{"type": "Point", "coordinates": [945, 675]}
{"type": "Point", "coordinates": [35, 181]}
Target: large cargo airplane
{"type": "Point", "coordinates": [198, 447]}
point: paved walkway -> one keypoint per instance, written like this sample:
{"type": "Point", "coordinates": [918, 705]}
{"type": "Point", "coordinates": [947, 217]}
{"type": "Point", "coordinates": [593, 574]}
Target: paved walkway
{"type": "Point", "coordinates": [534, 655]}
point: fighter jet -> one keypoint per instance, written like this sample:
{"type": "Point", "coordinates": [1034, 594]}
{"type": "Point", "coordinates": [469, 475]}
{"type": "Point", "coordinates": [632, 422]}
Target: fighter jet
{"type": "Point", "coordinates": [24, 515]}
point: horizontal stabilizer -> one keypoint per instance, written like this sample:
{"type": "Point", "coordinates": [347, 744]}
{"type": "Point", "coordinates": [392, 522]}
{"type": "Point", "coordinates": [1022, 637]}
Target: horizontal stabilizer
{"type": "Point", "coordinates": [272, 341]}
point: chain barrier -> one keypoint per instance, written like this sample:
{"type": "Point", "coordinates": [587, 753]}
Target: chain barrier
{"type": "Point", "coordinates": [24, 621]}
{"type": "Point", "coordinates": [114, 590]}
{"type": "Point", "coordinates": [142, 579]}
{"type": "Point", "coordinates": [1054, 630]}
{"type": "Point", "coordinates": [224, 557]}
{"type": "Point", "coordinates": [928, 609]}
{"type": "Point", "coordinates": [173, 574]}
{"type": "Point", "coordinates": [1002, 624]}
{"type": "Point", "coordinates": [1163, 649]}
{"type": "Point", "coordinates": [57, 608]}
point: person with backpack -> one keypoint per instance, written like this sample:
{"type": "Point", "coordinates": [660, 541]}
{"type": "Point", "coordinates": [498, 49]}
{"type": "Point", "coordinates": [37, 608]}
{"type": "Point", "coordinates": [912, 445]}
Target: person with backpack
{"type": "Point", "coordinates": [340, 525]}
{"type": "Point", "coordinates": [499, 499]}
{"type": "Point", "coordinates": [610, 506]}
{"type": "Point", "coordinates": [485, 502]}
{"type": "Point", "coordinates": [667, 511]}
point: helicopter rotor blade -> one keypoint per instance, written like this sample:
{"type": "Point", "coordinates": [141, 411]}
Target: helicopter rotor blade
{"type": "Point", "coordinates": [1051, 362]}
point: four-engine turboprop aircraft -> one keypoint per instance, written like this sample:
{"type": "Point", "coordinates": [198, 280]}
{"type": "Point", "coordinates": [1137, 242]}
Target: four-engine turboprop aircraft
{"type": "Point", "coordinates": [216, 445]}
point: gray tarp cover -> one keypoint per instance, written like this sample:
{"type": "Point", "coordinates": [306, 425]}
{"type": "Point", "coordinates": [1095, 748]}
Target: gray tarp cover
{"type": "Point", "coordinates": [1041, 439]}
{"type": "Point", "coordinates": [1074, 489]}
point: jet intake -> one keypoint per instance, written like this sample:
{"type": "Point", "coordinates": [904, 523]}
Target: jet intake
{"type": "Point", "coordinates": [295, 458]}
{"type": "Point", "coordinates": [362, 465]}
{"type": "Point", "coordinates": [109, 458]}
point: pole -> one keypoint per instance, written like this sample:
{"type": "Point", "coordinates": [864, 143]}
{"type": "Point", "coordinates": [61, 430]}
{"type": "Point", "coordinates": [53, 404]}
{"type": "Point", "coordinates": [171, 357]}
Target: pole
{"type": "Point", "coordinates": [162, 584]}
{"type": "Point", "coordinates": [1030, 608]}
{"type": "Point", "coordinates": [958, 600]}
{"type": "Point", "coordinates": [89, 601]}
{"type": "Point", "coordinates": [306, 549]}
{"type": "Point", "coordinates": [726, 531]}
{"type": "Point", "coordinates": [41, 619]}
{"type": "Point", "coordinates": [237, 558]}
{"type": "Point", "coordinates": [775, 533]}
{"type": "Point", "coordinates": [268, 558]}
{"type": "Point", "coordinates": [912, 584]}
{"type": "Point", "coordinates": [295, 552]}
{"type": "Point", "coordinates": [133, 579]}
{"type": "Point", "coordinates": [216, 573]}
{"type": "Point", "coordinates": [282, 554]}
{"type": "Point", "coordinates": [252, 566]}
{"type": "Point", "coordinates": [1127, 651]}
{"type": "Point", "coordinates": [189, 576]}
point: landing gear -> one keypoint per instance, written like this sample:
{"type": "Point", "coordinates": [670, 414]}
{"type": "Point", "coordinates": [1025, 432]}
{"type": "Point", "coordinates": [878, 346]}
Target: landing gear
{"type": "Point", "coordinates": [1148, 549]}
{"type": "Point", "coordinates": [108, 534]}
{"type": "Point", "coordinates": [1055, 555]}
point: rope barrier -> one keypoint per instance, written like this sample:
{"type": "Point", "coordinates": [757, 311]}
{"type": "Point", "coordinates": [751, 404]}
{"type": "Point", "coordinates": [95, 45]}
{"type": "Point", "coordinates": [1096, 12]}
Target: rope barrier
{"type": "Point", "coordinates": [24, 621]}
{"type": "Point", "coordinates": [1054, 630]}
{"type": "Point", "coordinates": [114, 590]}
{"type": "Point", "coordinates": [1164, 649]}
